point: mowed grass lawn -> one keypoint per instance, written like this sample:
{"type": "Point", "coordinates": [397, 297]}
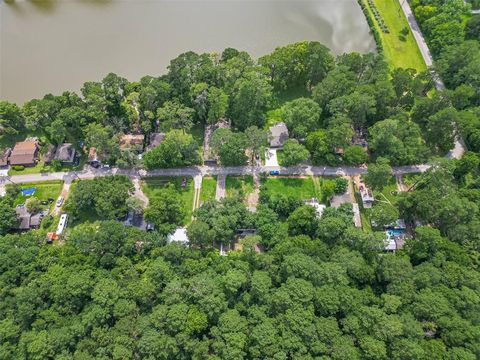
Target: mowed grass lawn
{"type": "Point", "coordinates": [239, 185]}
{"type": "Point", "coordinates": [209, 189]}
{"type": "Point", "coordinates": [398, 53]}
{"type": "Point", "coordinates": [153, 187]}
{"type": "Point", "coordinates": [44, 190]}
{"type": "Point", "coordinates": [298, 188]}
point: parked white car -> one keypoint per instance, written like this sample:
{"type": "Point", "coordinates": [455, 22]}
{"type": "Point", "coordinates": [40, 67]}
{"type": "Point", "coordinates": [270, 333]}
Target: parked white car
{"type": "Point", "coordinates": [60, 201]}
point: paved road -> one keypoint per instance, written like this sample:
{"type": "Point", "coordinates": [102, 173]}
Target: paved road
{"type": "Point", "coordinates": [459, 147]}
{"type": "Point", "coordinates": [307, 170]}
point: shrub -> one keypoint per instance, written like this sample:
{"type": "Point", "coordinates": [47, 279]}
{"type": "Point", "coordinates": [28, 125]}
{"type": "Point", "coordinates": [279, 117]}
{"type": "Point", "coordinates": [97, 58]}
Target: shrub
{"type": "Point", "coordinates": [18, 167]}
{"type": "Point", "coordinates": [341, 185]}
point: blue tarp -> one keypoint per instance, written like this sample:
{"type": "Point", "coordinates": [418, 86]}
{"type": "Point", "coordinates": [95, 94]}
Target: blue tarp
{"type": "Point", "coordinates": [29, 191]}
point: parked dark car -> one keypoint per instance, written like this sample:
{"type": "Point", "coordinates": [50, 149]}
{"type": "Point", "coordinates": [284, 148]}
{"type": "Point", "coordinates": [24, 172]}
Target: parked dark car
{"type": "Point", "coordinates": [274, 172]}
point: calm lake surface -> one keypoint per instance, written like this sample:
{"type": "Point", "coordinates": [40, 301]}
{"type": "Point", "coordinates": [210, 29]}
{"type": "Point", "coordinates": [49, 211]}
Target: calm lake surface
{"type": "Point", "coordinates": [51, 46]}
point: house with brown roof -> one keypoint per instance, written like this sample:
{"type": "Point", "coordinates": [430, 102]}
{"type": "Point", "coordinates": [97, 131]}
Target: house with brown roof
{"type": "Point", "coordinates": [65, 154]}
{"type": "Point", "coordinates": [132, 141]}
{"type": "Point", "coordinates": [24, 153]}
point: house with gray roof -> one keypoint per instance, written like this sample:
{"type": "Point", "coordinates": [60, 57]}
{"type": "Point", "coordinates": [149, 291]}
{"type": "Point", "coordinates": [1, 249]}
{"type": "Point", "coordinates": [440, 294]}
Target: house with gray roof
{"type": "Point", "coordinates": [278, 135]}
{"type": "Point", "coordinates": [65, 154]}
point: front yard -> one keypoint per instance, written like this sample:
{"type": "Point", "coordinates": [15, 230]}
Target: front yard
{"type": "Point", "coordinates": [209, 189]}
{"type": "Point", "coordinates": [153, 186]}
{"type": "Point", "coordinates": [301, 188]}
{"type": "Point", "coordinates": [239, 186]}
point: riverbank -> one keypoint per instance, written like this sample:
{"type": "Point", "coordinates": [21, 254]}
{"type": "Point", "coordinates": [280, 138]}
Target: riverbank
{"type": "Point", "coordinates": [391, 30]}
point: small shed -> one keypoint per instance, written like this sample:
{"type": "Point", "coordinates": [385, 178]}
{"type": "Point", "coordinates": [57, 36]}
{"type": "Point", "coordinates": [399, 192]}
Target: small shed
{"type": "Point", "coordinates": [178, 236]}
{"type": "Point", "coordinates": [367, 196]}
{"type": "Point", "coordinates": [319, 208]}
{"type": "Point", "coordinates": [278, 135]}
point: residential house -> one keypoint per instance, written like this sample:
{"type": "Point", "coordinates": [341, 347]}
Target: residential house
{"type": "Point", "coordinates": [27, 221]}
{"type": "Point", "coordinates": [208, 155]}
{"type": "Point", "coordinates": [4, 157]}
{"type": "Point", "coordinates": [155, 140]}
{"type": "Point", "coordinates": [278, 135]}
{"type": "Point", "coordinates": [24, 153]}
{"type": "Point", "coordinates": [65, 154]}
{"type": "Point", "coordinates": [50, 154]}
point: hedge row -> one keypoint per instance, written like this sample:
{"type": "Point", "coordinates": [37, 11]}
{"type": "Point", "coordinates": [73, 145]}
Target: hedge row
{"type": "Point", "coordinates": [371, 25]}
{"type": "Point", "coordinates": [378, 17]}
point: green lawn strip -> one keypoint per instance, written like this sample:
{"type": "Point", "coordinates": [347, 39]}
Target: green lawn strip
{"type": "Point", "coordinates": [45, 190]}
{"type": "Point", "coordinates": [398, 53]}
{"type": "Point", "coordinates": [366, 225]}
{"type": "Point", "coordinates": [209, 189]}
{"type": "Point", "coordinates": [239, 185]}
{"type": "Point", "coordinates": [298, 188]}
{"type": "Point", "coordinates": [153, 186]}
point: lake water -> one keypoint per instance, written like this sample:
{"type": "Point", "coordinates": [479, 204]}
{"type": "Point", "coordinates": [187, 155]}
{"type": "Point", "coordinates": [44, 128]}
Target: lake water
{"type": "Point", "coordinates": [51, 46]}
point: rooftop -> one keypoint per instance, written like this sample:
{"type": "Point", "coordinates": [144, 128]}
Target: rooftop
{"type": "Point", "coordinates": [278, 134]}
{"type": "Point", "coordinates": [65, 153]}
{"type": "Point", "coordinates": [180, 236]}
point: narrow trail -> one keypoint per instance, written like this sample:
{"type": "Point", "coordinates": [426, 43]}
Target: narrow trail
{"type": "Point", "coordinates": [139, 192]}
{"type": "Point", "coordinates": [197, 180]}
{"type": "Point", "coordinates": [221, 187]}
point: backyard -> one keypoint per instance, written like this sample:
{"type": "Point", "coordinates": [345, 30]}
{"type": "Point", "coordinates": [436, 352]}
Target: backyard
{"type": "Point", "coordinates": [239, 186]}
{"type": "Point", "coordinates": [400, 47]}
{"type": "Point", "coordinates": [300, 188]}
{"type": "Point", "coordinates": [153, 186]}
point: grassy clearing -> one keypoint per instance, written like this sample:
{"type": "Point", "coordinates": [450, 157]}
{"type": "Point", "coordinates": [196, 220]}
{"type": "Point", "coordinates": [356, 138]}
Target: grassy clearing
{"type": "Point", "coordinates": [209, 189]}
{"type": "Point", "coordinates": [298, 188]}
{"type": "Point", "coordinates": [239, 186]}
{"type": "Point", "coordinates": [398, 52]}
{"type": "Point", "coordinates": [45, 190]}
{"type": "Point", "coordinates": [152, 187]}
{"type": "Point", "coordinates": [389, 192]}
